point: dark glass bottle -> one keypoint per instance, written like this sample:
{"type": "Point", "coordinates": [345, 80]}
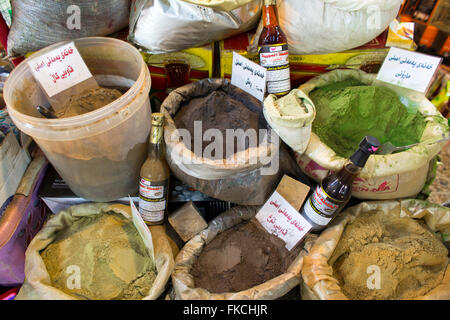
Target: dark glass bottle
{"type": "Point", "coordinates": [334, 192]}
{"type": "Point", "coordinates": [273, 51]}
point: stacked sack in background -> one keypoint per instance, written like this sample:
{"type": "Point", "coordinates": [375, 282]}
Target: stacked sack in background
{"type": "Point", "coordinates": [38, 24]}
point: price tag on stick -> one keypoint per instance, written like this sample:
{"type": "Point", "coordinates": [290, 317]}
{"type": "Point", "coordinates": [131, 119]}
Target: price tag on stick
{"type": "Point", "coordinates": [408, 69]}
{"type": "Point", "coordinates": [62, 73]}
{"type": "Point", "coordinates": [248, 76]}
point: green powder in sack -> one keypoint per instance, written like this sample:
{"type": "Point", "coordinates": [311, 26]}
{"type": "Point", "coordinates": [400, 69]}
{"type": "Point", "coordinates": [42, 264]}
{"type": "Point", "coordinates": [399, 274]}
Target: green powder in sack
{"type": "Point", "coordinates": [349, 110]}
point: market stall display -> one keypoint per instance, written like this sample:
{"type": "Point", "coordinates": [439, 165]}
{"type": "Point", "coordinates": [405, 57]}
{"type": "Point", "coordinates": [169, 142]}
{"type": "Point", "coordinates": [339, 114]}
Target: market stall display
{"type": "Point", "coordinates": [98, 153]}
{"type": "Point", "coordinates": [38, 24]}
{"type": "Point", "coordinates": [102, 242]}
{"type": "Point", "coordinates": [245, 269]}
{"type": "Point", "coordinates": [384, 177]}
{"type": "Point", "coordinates": [291, 117]}
{"type": "Point", "coordinates": [181, 137]}
{"type": "Point", "coordinates": [403, 240]}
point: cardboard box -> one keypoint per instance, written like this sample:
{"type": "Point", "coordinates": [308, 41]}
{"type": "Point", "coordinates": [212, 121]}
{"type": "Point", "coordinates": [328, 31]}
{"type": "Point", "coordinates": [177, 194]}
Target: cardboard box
{"type": "Point", "coordinates": [305, 67]}
{"type": "Point", "coordinates": [293, 191]}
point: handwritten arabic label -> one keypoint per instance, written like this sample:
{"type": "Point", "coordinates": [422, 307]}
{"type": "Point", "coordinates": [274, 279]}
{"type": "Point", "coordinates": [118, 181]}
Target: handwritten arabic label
{"type": "Point", "coordinates": [59, 69]}
{"type": "Point", "coordinates": [409, 69]}
{"type": "Point", "coordinates": [278, 217]}
{"type": "Point", "coordinates": [248, 76]}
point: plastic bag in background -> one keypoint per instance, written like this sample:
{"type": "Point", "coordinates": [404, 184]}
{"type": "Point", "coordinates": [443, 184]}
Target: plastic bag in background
{"type": "Point", "coordinates": [37, 283]}
{"type": "Point", "coordinates": [37, 24]}
{"type": "Point", "coordinates": [327, 26]}
{"type": "Point", "coordinates": [161, 26]}
{"type": "Point", "coordinates": [248, 182]}
{"type": "Point", "coordinates": [5, 9]}
{"type": "Point", "coordinates": [275, 288]}
{"type": "Point", "coordinates": [393, 176]}
{"type": "Point", "coordinates": [318, 281]}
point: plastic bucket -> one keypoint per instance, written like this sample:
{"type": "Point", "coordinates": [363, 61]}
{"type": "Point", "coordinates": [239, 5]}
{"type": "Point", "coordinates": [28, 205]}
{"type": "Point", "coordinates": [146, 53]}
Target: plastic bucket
{"type": "Point", "coordinates": [98, 154]}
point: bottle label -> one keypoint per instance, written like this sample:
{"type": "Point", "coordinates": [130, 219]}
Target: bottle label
{"type": "Point", "coordinates": [320, 208]}
{"type": "Point", "coordinates": [275, 58]}
{"type": "Point", "coordinates": [152, 199]}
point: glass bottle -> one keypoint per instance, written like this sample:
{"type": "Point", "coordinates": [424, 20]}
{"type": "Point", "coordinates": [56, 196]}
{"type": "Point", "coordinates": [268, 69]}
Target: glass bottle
{"type": "Point", "coordinates": [273, 51]}
{"type": "Point", "coordinates": [334, 192]}
{"type": "Point", "coordinates": [154, 177]}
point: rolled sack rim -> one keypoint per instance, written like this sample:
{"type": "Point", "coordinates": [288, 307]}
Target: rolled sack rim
{"type": "Point", "coordinates": [181, 155]}
{"type": "Point", "coordinates": [378, 165]}
{"type": "Point", "coordinates": [39, 127]}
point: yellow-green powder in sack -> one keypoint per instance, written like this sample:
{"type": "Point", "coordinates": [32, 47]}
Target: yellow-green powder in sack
{"type": "Point", "coordinates": [107, 253]}
{"type": "Point", "coordinates": [349, 110]}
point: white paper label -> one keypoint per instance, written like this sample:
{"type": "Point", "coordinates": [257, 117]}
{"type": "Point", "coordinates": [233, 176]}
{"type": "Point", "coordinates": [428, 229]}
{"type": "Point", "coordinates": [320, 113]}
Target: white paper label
{"type": "Point", "coordinates": [248, 76]}
{"type": "Point", "coordinates": [59, 69]}
{"type": "Point", "coordinates": [409, 69]}
{"type": "Point", "coordinates": [278, 217]}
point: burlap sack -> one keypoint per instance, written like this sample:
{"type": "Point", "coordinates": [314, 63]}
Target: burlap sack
{"type": "Point", "coordinates": [394, 176]}
{"type": "Point", "coordinates": [37, 24]}
{"type": "Point", "coordinates": [317, 274]}
{"type": "Point", "coordinates": [37, 285]}
{"type": "Point", "coordinates": [246, 179]}
{"type": "Point", "coordinates": [183, 281]}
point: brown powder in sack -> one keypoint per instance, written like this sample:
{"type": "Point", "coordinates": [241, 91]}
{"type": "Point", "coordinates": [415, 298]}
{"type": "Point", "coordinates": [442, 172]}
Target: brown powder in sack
{"type": "Point", "coordinates": [111, 257]}
{"type": "Point", "coordinates": [220, 111]}
{"type": "Point", "coordinates": [411, 260]}
{"type": "Point", "coordinates": [240, 258]}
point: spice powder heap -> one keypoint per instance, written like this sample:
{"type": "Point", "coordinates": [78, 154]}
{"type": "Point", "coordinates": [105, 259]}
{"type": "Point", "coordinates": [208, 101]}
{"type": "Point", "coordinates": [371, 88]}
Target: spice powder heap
{"type": "Point", "coordinates": [240, 258]}
{"type": "Point", "coordinates": [411, 259]}
{"type": "Point", "coordinates": [113, 260]}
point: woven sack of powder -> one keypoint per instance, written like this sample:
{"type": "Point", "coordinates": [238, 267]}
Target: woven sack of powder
{"type": "Point", "coordinates": [291, 117]}
{"type": "Point", "coordinates": [250, 177]}
{"type": "Point", "coordinates": [319, 282]}
{"type": "Point", "coordinates": [37, 24]}
{"type": "Point", "coordinates": [327, 26]}
{"type": "Point", "coordinates": [162, 26]}
{"type": "Point", "coordinates": [393, 176]}
{"type": "Point", "coordinates": [38, 284]}
{"type": "Point", "coordinates": [183, 281]}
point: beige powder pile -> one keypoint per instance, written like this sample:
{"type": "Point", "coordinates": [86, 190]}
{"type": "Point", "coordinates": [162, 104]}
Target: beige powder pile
{"type": "Point", "coordinates": [411, 259]}
{"type": "Point", "coordinates": [89, 100]}
{"type": "Point", "coordinates": [112, 258]}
